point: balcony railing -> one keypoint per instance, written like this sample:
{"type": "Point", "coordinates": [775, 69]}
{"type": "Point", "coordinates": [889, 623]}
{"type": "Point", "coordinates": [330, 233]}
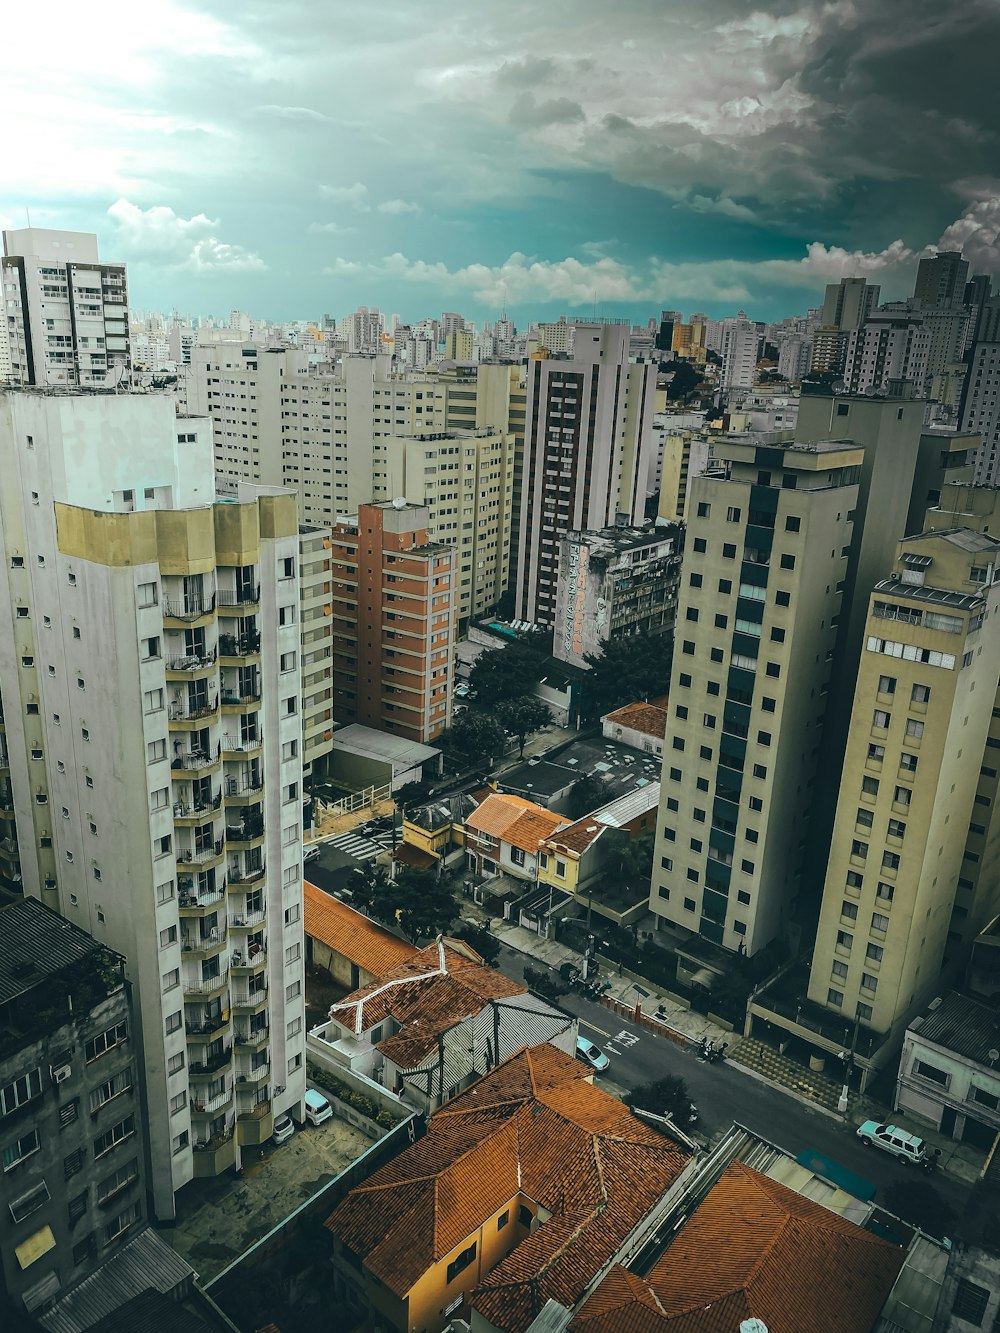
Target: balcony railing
{"type": "Point", "coordinates": [207, 1027]}
{"type": "Point", "coordinates": [179, 712]}
{"type": "Point", "coordinates": [232, 700]}
{"type": "Point", "coordinates": [239, 878]}
{"type": "Point", "coordinates": [196, 946]}
{"type": "Point", "coordinates": [190, 900]}
{"type": "Point", "coordinates": [258, 1112]}
{"type": "Point", "coordinates": [212, 1104]}
{"type": "Point", "coordinates": [242, 997]}
{"type": "Point", "coordinates": [247, 921]}
{"type": "Point", "coordinates": [192, 663]}
{"type": "Point", "coordinates": [242, 744]}
{"type": "Point", "coordinates": [218, 1060]}
{"type": "Point", "coordinates": [194, 760]}
{"type": "Point", "coordinates": [236, 788]}
{"type": "Point", "coordinates": [245, 962]}
{"type": "Point", "coordinates": [248, 1078]}
{"type": "Point", "coordinates": [209, 986]}
{"type": "Point", "coordinates": [239, 645]}
{"type": "Point", "coordinates": [239, 597]}
{"type": "Point", "coordinates": [188, 608]}
{"type": "Point", "coordinates": [251, 1037]}
{"type": "Point", "coordinates": [200, 855]}
{"type": "Point", "coordinates": [245, 831]}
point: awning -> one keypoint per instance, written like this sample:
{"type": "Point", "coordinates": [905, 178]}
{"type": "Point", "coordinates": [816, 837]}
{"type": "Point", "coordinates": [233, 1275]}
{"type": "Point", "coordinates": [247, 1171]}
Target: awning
{"type": "Point", "coordinates": [704, 977]}
{"type": "Point", "coordinates": [35, 1246]}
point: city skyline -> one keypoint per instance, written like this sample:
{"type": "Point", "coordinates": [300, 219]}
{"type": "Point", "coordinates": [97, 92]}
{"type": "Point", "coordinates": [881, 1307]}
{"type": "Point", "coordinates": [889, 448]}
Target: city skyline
{"type": "Point", "coordinates": [293, 164]}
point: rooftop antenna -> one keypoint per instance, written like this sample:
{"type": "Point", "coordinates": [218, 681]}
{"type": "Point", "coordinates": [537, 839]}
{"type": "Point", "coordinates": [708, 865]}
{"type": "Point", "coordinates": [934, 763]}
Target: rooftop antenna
{"type": "Point", "coordinates": [27, 214]}
{"type": "Point", "coordinates": [595, 305]}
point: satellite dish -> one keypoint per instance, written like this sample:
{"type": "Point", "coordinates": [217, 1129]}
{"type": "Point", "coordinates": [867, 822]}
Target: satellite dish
{"type": "Point", "coordinates": [993, 1055]}
{"type": "Point", "coordinates": [116, 373]}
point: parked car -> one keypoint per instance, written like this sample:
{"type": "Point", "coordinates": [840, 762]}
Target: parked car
{"type": "Point", "coordinates": [318, 1109]}
{"type": "Point", "coordinates": [311, 853]}
{"type": "Point", "coordinates": [284, 1128]}
{"type": "Point", "coordinates": [590, 1054]}
{"type": "Point", "coordinates": [903, 1145]}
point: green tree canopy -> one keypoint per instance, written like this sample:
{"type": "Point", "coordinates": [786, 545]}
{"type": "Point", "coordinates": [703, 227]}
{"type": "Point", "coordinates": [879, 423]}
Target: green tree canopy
{"type": "Point", "coordinates": [478, 736]}
{"type": "Point", "coordinates": [666, 1096]}
{"type": "Point", "coordinates": [628, 859]}
{"type": "Point", "coordinates": [416, 900]}
{"type": "Point", "coordinates": [509, 673]}
{"type": "Point", "coordinates": [628, 670]}
{"type": "Point", "coordinates": [586, 794]}
{"type": "Point", "coordinates": [522, 716]}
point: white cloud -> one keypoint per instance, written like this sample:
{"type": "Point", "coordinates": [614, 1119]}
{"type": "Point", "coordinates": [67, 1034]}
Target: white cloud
{"type": "Point", "coordinates": [398, 206]}
{"type": "Point", "coordinates": [330, 229]}
{"type": "Point", "coordinates": [160, 234]}
{"type": "Point", "coordinates": [977, 232]}
{"type": "Point", "coordinates": [354, 196]}
{"type": "Point", "coordinates": [295, 113]}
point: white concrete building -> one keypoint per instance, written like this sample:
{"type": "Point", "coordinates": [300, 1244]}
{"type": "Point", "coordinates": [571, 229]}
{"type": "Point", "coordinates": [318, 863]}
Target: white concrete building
{"type": "Point", "coordinates": [892, 345]}
{"type": "Point", "coordinates": [66, 313]}
{"type": "Point", "coordinates": [150, 664]}
{"type": "Point", "coordinates": [740, 344]}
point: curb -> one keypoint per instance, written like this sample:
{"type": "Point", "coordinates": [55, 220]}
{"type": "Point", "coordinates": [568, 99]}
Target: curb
{"type": "Point", "coordinates": [789, 1092]}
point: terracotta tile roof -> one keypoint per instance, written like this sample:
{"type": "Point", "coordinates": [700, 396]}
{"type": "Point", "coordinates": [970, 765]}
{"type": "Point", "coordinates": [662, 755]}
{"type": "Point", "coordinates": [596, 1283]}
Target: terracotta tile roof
{"type": "Point", "coordinates": [408, 855]}
{"type": "Point", "coordinates": [576, 838]}
{"type": "Point", "coordinates": [645, 717]}
{"type": "Point", "coordinates": [351, 934]}
{"type": "Point", "coordinates": [435, 988]}
{"type": "Point", "coordinates": [536, 1128]}
{"type": "Point", "coordinates": [497, 813]}
{"type": "Point", "coordinates": [532, 828]}
{"type": "Point", "coordinates": [755, 1248]}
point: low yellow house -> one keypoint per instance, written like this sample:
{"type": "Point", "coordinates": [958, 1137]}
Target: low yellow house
{"type": "Point", "coordinates": [438, 827]}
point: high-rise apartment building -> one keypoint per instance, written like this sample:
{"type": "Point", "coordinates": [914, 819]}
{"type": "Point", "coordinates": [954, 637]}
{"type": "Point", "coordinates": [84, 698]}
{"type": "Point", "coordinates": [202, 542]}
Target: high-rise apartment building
{"type": "Point", "coordinates": [740, 346]}
{"type": "Point", "coordinates": [394, 621]}
{"type": "Point", "coordinates": [889, 348]}
{"type": "Point", "coordinates": [465, 479]}
{"type": "Point", "coordinates": [588, 449]}
{"type": "Point", "coordinates": [65, 313]}
{"type": "Point", "coordinates": [923, 700]}
{"type": "Point", "coordinates": [72, 1132]}
{"type": "Point", "coordinates": [941, 279]}
{"type": "Point", "coordinates": [980, 411]}
{"type": "Point", "coordinates": [150, 660]}
{"type": "Point", "coordinates": [769, 530]}
{"type": "Point", "coordinates": [849, 303]}
{"type": "Point", "coordinates": [316, 647]}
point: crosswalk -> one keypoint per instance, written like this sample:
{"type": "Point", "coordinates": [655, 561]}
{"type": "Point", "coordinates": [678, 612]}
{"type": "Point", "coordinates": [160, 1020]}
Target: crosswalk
{"type": "Point", "coordinates": [360, 847]}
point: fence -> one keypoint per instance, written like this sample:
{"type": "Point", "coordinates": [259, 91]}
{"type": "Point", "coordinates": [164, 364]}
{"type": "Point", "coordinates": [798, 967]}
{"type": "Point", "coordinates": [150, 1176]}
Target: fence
{"type": "Point", "coordinates": [646, 1021]}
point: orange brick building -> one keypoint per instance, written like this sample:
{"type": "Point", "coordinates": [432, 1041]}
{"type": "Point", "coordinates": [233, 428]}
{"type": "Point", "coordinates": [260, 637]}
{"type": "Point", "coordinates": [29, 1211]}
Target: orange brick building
{"type": "Point", "coordinates": [394, 595]}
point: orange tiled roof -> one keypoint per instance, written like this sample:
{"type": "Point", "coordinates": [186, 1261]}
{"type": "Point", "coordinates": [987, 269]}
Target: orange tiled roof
{"type": "Point", "coordinates": [754, 1248]}
{"type": "Point", "coordinates": [645, 717]}
{"type": "Point", "coordinates": [532, 828]}
{"type": "Point", "coordinates": [535, 1127]}
{"type": "Point", "coordinates": [351, 934]}
{"type": "Point", "coordinates": [576, 838]}
{"type": "Point", "coordinates": [497, 813]}
{"type": "Point", "coordinates": [436, 988]}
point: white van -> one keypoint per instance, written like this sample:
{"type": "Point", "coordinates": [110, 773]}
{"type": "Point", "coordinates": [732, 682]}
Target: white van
{"type": "Point", "coordinates": [318, 1109]}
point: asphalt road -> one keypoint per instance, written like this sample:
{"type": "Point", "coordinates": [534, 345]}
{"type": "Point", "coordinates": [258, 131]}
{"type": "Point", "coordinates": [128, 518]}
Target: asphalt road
{"type": "Point", "coordinates": [724, 1093]}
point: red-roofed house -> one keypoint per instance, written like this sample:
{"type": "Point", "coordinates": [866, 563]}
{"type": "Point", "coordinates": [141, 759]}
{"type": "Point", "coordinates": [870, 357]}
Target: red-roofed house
{"type": "Point", "coordinates": [505, 833]}
{"type": "Point", "coordinates": [353, 949]}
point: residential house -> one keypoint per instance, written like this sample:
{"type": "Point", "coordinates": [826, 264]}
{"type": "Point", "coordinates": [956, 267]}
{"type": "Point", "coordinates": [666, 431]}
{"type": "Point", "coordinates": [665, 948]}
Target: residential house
{"type": "Point", "coordinates": [437, 828]}
{"type": "Point", "coordinates": [505, 833]}
{"type": "Point", "coordinates": [353, 949]}
{"type": "Point", "coordinates": [428, 1027]}
{"type": "Point", "coordinates": [518, 1192]}
{"type": "Point", "coordinates": [642, 726]}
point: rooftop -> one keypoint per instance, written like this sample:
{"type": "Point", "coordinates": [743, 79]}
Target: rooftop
{"type": "Point", "coordinates": [439, 814]}
{"type": "Point", "coordinates": [648, 718]}
{"type": "Point", "coordinates": [618, 767]}
{"type": "Point", "coordinates": [497, 813]}
{"type": "Point", "coordinates": [961, 1024]}
{"type": "Point", "coordinates": [351, 933]}
{"type": "Point", "coordinates": [534, 1128]}
{"type": "Point", "coordinates": [915, 592]}
{"type": "Point", "coordinates": [752, 1249]}
{"type": "Point", "coordinates": [624, 539]}
{"type": "Point", "coordinates": [37, 944]}
{"type": "Point", "coordinates": [358, 739]}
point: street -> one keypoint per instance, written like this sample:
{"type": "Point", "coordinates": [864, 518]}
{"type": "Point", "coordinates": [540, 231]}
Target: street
{"type": "Point", "coordinates": [724, 1093]}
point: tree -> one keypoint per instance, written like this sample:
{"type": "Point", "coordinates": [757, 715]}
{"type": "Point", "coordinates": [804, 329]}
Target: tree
{"type": "Point", "coordinates": [478, 736]}
{"type": "Point", "coordinates": [485, 944]}
{"type": "Point", "coordinates": [666, 1096]}
{"type": "Point", "coordinates": [629, 669]}
{"type": "Point", "coordinates": [522, 716]}
{"type": "Point", "coordinates": [412, 793]}
{"type": "Point", "coordinates": [631, 859]}
{"type": "Point", "coordinates": [921, 1205]}
{"type": "Point", "coordinates": [683, 381]}
{"type": "Point", "coordinates": [586, 794]}
{"type": "Point", "coordinates": [371, 892]}
{"type": "Point", "coordinates": [508, 673]}
{"type": "Point", "coordinates": [424, 904]}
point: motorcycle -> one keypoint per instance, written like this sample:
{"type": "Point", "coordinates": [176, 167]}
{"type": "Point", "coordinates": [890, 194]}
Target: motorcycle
{"type": "Point", "coordinates": [717, 1053]}
{"type": "Point", "coordinates": [705, 1049]}
{"type": "Point", "coordinates": [930, 1163]}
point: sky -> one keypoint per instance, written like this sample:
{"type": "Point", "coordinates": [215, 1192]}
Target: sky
{"type": "Point", "coordinates": [296, 159]}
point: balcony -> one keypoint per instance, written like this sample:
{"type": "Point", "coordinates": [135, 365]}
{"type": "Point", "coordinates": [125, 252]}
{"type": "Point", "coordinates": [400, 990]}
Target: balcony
{"type": "Point", "coordinates": [244, 1000]}
{"type": "Point", "coordinates": [239, 879]}
{"type": "Point", "coordinates": [247, 963]}
{"type": "Point", "coordinates": [195, 814]}
{"type": "Point", "coordinates": [251, 1039]}
{"type": "Point", "coordinates": [212, 1064]}
{"type": "Point", "coordinates": [180, 716]}
{"type": "Point", "coordinates": [235, 703]}
{"type": "Point", "coordinates": [243, 600]}
{"type": "Point", "coordinates": [206, 989]}
{"type": "Point", "coordinates": [187, 611]}
{"type": "Point", "coordinates": [213, 1156]}
{"type": "Point", "coordinates": [195, 947]}
{"type": "Point", "coordinates": [212, 1104]}
{"type": "Point", "coordinates": [207, 1028]}
{"type": "Point", "coordinates": [202, 855]}
{"type": "Point", "coordinates": [194, 763]}
{"type": "Point", "coordinates": [237, 745]}
{"type": "Point", "coordinates": [257, 1125]}
{"type": "Point", "coordinates": [237, 791]}
{"type": "Point", "coordinates": [248, 921]}
{"type": "Point", "coordinates": [246, 835]}
{"type": "Point", "coordinates": [236, 648]}
{"type": "Point", "coordinates": [194, 666]}
{"type": "Point", "coordinates": [194, 904]}
{"type": "Point", "coordinates": [250, 1078]}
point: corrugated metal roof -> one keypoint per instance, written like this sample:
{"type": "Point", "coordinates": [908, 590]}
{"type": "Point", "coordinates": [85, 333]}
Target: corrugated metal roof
{"type": "Point", "coordinates": [963, 1025]}
{"type": "Point", "coordinates": [152, 1312]}
{"type": "Point", "coordinates": [37, 944]}
{"type": "Point", "coordinates": [144, 1262]}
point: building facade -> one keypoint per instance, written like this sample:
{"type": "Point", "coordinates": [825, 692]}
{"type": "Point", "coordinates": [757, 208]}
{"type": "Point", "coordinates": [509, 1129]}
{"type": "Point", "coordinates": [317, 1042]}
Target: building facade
{"type": "Point", "coordinates": [588, 443]}
{"type": "Point", "coordinates": [761, 589]}
{"type": "Point", "coordinates": [614, 583]}
{"type": "Point", "coordinates": [316, 647]}
{"type": "Point", "coordinates": [980, 411]}
{"type": "Point", "coordinates": [394, 622]}
{"type": "Point", "coordinates": [923, 699]}
{"type": "Point", "coordinates": [65, 313]}
{"type": "Point", "coordinates": [72, 1135]}
{"type": "Point", "coordinates": [152, 714]}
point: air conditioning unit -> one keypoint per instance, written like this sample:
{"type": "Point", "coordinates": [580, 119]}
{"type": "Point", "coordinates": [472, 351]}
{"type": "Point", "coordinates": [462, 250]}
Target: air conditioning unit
{"type": "Point", "coordinates": [61, 1073]}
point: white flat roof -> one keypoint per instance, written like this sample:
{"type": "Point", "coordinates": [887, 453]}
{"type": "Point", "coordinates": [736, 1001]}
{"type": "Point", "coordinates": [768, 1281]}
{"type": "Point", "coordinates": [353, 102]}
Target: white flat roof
{"type": "Point", "coordinates": [358, 739]}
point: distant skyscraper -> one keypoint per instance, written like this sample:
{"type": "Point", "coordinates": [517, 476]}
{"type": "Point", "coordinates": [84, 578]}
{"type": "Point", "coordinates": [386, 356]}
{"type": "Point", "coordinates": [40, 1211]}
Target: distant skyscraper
{"type": "Point", "coordinates": [889, 348]}
{"type": "Point", "coordinates": [66, 313]}
{"type": "Point", "coordinates": [941, 279]}
{"type": "Point", "coordinates": [848, 303]}
{"type": "Point", "coordinates": [981, 410]}
{"type": "Point", "coordinates": [740, 344]}
{"type": "Point", "coordinates": [588, 449]}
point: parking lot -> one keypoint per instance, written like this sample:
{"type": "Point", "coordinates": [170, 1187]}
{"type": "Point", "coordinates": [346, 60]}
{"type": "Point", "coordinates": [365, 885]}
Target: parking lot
{"type": "Point", "coordinates": [220, 1218]}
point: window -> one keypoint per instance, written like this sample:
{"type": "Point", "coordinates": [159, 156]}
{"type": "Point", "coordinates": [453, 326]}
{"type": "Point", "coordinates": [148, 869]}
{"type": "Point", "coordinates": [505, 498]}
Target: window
{"type": "Point", "coordinates": [931, 1072]}
{"type": "Point", "coordinates": [864, 1011]}
{"type": "Point", "coordinates": [879, 922]}
{"type": "Point", "coordinates": [178, 1103]}
{"type": "Point", "coordinates": [885, 891]}
{"type": "Point", "coordinates": [849, 910]}
{"type": "Point", "coordinates": [695, 580]}
{"type": "Point", "coordinates": [864, 818]}
{"type": "Point", "coordinates": [30, 1202]}
{"type": "Point", "coordinates": [704, 509]}
{"type": "Point", "coordinates": [732, 514]}
{"type": "Point", "coordinates": [293, 1028]}
{"type": "Point", "coordinates": [146, 594]}
{"type": "Point", "coordinates": [286, 615]}
{"type": "Point", "coordinates": [887, 684]}
{"type": "Point", "coordinates": [920, 694]}
{"type": "Point", "coordinates": [869, 786]}
{"type": "Point", "coordinates": [106, 1041]}
{"type": "Point", "coordinates": [728, 551]}
{"type": "Point", "coordinates": [171, 979]}
{"type": "Point", "coordinates": [287, 661]}
{"type": "Point", "coordinates": [122, 1222]}
{"type": "Point", "coordinates": [725, 586]}
{"type": "Point", "coordinates": [292, 954]}
{"type": "Point", "coordinates": [874, 952]}
{"type": "Point", "coordinates": [869, 982]}
{"type": "Point", "coordinates": [914, 728]}
{"type": "Point", "coordinates": [689, 904]}
{"type": "Point", "coordinates": [293, 990]}
{"type": "Point", "coordinates": [21, 1091]}
{"type": "Point", "coordinates": [908, 762]}
{"type": "Point", "coordinates": [172, 1022]}
{"type": "Point", "coordinates": [461, 1262]}
{"type": "Point", "coordinates": [118, 1180]}
{"type": "Point", "coordinates": [788, 562]}
{"type": "Point", "coordinates": [792, 523]}
{"type": "Point", "coordinates": [835, 997]}
{"type": "Point", "coordinates": [168, 936]}
{"type": "Point", "coordinates": [844, 940]}
{"type": "Point", "coordinates": [700, 546]}
{"type": "Point", "coordinates": [984, 1098]}
{"type": "Point", "coordinates": [890, 861]}
{"type": "Point", "coordinates": [20, 1149]}
{"type": "Point", "coordinates": [110, 1089]}
{"type": "Point", "coordinates": [876, 753]}
{"type": "Point", "coordinates": [503, 1219]}
{"type": "Point", "coordinates": [179, 1142]}
{"type": "Point", "coordinates": [783, 599]}
{"type": "Point", "coordinates": [971, 1301]}
{"type": "Point", "coordinates": [176, 1063]}
{"type": "Point", "coordinates": [77, 1207]}
{"type": "Point", "coordinates": [896, 829]}
{"type": "Point", "coordinates": [881, 719]}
